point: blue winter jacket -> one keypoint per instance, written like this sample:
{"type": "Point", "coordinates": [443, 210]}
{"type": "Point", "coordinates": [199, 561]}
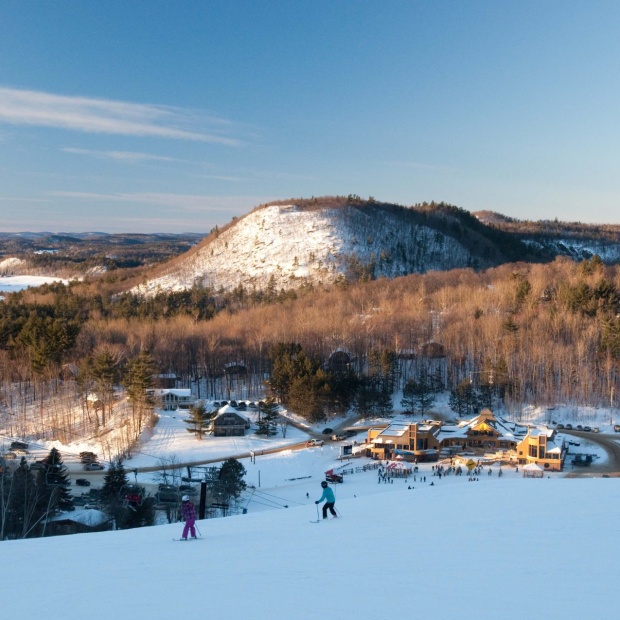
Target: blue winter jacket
{"type": "Point", "coordinates": [328, 496]}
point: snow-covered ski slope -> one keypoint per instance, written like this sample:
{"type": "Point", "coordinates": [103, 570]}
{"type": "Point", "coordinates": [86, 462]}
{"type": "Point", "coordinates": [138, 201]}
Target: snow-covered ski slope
{"type": "Point", "coordinates": [473, 550]}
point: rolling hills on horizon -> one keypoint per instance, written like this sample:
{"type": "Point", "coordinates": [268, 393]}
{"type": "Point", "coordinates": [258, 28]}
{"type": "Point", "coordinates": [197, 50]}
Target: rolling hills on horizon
{"type": "Point", "coordinates": [318, 241]}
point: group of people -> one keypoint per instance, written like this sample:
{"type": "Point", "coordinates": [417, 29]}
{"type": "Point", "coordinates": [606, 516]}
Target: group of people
{"type": "Point", "coordinates": [188, 511]}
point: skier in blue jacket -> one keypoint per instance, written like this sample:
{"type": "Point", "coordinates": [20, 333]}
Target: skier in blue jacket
{"type": "Point", "coordinates": [330, 500]}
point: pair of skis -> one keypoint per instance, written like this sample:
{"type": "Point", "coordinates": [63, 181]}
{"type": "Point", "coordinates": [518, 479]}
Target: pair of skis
{"type": "Point", "coordinates": [187, 539]}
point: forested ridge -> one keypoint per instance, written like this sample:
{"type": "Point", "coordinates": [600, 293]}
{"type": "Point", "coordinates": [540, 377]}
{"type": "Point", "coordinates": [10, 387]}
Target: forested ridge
{"type": "Point", "coordinates": [541, 333]}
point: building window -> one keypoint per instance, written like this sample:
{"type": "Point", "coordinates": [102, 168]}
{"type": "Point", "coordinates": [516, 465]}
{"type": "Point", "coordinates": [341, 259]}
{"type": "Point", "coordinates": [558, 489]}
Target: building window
{"type": "Point", "coordinates": [534, 451]}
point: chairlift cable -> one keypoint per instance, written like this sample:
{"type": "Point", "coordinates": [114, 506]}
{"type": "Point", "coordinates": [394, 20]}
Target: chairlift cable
{"type": "Point", "coordinates": [266, 499]}
{"type": "Point", "coordinates": [268, 505]}
{"type": "Point", "coordinates": [281, 498]}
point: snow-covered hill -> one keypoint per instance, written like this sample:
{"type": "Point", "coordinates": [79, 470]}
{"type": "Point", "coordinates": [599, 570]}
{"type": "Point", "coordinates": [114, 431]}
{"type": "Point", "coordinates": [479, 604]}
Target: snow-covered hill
{"type": "Point", "coordinates": [323, 240]}
{"type": "Point", "coordinates": [577, 248]}
{"type": "Point", "coordinates": [282, 246]}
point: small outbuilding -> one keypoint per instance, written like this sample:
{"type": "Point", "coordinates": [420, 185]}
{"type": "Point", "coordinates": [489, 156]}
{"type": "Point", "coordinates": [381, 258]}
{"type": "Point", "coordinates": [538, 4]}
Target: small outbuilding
{"type": "Point", "coordinates": [531, 470]}
{"type": "Point", "coordinates": [228, 423]}
{"type": "Point", "coordinates": [79, 522]}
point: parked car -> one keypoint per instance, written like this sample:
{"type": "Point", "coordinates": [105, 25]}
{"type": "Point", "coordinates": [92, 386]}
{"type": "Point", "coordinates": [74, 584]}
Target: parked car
{"type": "Point", "coordinates": [314, 442]}
{"type": "Point", "coordinates": [587, 428]}
{"type": "Point", "coordinates": [9, 456]}
{"type": "Point", "coordinates": [579, 427]}
{"type": "Point", "coordinates": [560, 426]}
{"type": "Point", "coordinates": [20, 445]}
{"type": "Point", "coordinates": [82, 482]}
{"type": "Point", "coordinates": [595, 429]}
{"type": "Point", "coordinates": [569, 427]}
{"type": "Point", "coordinates": [616, 428]}
{"type": "Point", "coordinates": [93, 467]}
{"type": "Point", "coordinates": [327, 431]}
{"type": "Point", "coordinates": [336, 437]}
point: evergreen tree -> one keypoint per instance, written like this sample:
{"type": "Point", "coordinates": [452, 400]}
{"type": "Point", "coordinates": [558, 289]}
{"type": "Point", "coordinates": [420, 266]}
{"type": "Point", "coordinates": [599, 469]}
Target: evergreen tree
{"type": "Point", "coordinates": [138, 381]}
{"type": "Point", "coordinates": [373, 397]}
{"type": "Point", "coordinates": [289, 362]}
{"type": "Point", "coordinates": [114, 481]}
{"type": "Point", "coordinates": [199, 419]}
{"type": "Point", "coordinates": [384, 364]}
{"type": "Point", "coordinates": [365, 397]}
{"type": "Point", "coordinates": [436, 380]}
{"type": "Point", "coordinates": [309, 395]}
{"type": "Point", "coordinates": [105, 371]}
{"type": "Point", "coordinates": [463, 399]}
{"type": "Point", "coordinates": [383, 403]}
{"type": "Point", "coordinates": [20, 502]}
{"type": "Point", "coordinates": [423, 397]}
{"type": "Point", "coordinates": [231, 477]}
{"type": "Point", "coordinates": [343, 386]}
{"type": "Point", "coordinates": [268, 418]}
{"type": "Point", "coordinates": [54, 485]}
{"type": "Point", "coordinates": [46, 340]}
{"type": "Point", "coordinates": [407, 401]}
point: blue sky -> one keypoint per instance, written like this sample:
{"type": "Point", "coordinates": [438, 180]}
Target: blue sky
{"type": "Point", "coordinates": [148, 116]}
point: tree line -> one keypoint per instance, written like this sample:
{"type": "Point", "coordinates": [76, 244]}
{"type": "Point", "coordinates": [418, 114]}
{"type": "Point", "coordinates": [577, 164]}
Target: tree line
{"type": "Point", "coordinates": [545, 334]}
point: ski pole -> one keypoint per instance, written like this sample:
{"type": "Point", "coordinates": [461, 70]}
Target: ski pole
{"type": "Point", "coordinates": [317, 512]}
{"type": "Point", "coordinates": [199, 532]}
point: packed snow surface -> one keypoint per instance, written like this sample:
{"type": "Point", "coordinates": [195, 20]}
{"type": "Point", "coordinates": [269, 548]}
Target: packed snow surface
{"type": "Point", "coordinates": [479, 550]}
{"type": "Point", "coordinates": [422, 546]}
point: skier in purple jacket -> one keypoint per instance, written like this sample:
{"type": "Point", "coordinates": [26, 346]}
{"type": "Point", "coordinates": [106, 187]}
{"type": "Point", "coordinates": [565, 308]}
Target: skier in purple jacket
{"type": "Point", "coordinates": [188, 514]}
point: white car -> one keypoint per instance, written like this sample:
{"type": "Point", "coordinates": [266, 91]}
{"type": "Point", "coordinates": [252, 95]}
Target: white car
{"type": "Point", "coordinates": [314, 442]}
{"type": "Point", "coordinates": [93, 467]}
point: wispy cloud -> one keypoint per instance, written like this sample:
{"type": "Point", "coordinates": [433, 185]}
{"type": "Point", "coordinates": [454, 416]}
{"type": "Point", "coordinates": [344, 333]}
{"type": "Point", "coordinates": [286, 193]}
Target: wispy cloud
{"type": "Point", "coordinates": [189, 203]}
{"type": "Point", "coordinates": [126, 156]}
{"type": "Point", "coordinates": [27, 107]}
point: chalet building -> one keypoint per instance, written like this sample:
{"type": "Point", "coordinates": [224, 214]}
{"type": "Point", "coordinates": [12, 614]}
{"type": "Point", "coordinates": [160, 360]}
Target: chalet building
{"type": "Point", "coordinates": [228, 423]}
{"type": "Point", "coordinates": [542, 447]}
{"type": "Point", "coordinates": [413, 441]}
{"type": "Point", "coordinates": [484, 433]}
{"type": "Point", "coordinates": [406, 440]}
{"type": "Point", "coordinates": [171, 400]}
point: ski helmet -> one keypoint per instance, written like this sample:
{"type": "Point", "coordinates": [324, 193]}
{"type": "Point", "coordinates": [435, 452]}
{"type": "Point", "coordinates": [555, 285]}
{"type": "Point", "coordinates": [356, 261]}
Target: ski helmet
{"type": "Point", "coordinates": [185, 498]}
{"type": "Point", "coordinates": [324, 483]}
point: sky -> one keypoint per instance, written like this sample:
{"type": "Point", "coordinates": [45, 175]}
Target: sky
{"type": "Point", "coordinates": [155, 116]}
{"type": "Point", "coordinates": [440, 548]}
